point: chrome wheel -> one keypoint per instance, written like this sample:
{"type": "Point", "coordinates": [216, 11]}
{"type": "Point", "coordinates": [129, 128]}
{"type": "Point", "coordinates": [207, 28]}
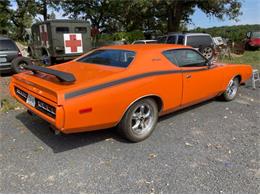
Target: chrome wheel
{"type": "Point", "coordinates": [207, 52]}
{"type": "Point", "coordinates": [142, 119]}
{"type": "Point", "coordinates": [232, 89]}
{"type": "Point", "coordinates": [139, 120]}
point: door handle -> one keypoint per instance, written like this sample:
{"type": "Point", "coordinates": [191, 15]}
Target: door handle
{"type": "Point", "coordinates": [188, 76]}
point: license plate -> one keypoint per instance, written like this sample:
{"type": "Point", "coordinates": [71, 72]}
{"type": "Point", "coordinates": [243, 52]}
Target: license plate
{"type": "Point", "coordinates": [2, 60]}
{"type": "Point", "coordinates": [30, 100]}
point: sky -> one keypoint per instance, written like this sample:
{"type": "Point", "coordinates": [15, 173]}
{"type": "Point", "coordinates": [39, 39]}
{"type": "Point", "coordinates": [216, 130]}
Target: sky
{"type": "Point", "coordinates": [250, 10]}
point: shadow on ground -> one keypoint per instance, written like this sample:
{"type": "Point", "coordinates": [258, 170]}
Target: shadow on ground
{"type": "Point", "coordinates": [64, 142]}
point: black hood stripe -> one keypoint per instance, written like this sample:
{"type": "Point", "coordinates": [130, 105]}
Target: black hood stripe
{"type": "Point", "coordinates": [124, 80]}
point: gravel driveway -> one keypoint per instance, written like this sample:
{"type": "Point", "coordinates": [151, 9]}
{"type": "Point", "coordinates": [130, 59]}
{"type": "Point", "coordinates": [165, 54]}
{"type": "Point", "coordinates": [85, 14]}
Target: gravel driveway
{"type": "Point", "coordinates": [212, 147]}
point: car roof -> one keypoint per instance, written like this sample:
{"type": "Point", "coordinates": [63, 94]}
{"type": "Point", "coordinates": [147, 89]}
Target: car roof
{"type": "Point", "coordinates": [188, 34]}
{"type": "Point", "coordinates": [145, 47]}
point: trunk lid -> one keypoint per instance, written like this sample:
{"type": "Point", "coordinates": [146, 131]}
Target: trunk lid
{"type": "Point", "coordinates": [50, 87]}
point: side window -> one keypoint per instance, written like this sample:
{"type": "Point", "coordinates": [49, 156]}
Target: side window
{"type": "Point", "coordinates": [192, 41]}
{"type": "Point", "coordinates": [161, 39]}
{"type": "Point", "coordinates": [171, 39]}
{"type": "Point", "coordinates": [80, 29]}
{"type": "Point", "coordinates": [62, 29]}
{"type": "Point", "coordinates": [185, 58]}
{"type": "Point", "coordinates": [181, 40]}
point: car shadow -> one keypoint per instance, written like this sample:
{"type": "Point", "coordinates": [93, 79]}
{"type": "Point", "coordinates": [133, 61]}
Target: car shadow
{"type": "Point", "coordinates": [64, 142]}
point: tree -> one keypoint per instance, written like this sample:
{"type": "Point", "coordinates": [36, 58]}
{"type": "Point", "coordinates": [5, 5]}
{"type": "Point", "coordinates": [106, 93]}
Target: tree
{"type": "Point", "coordinates": [97, 11]}
{"type": "Point", "coordinates": [43, 5]}
{"type": "Point", "coordinates": [5, 14]}
{"type": "Point", "coordinates": [176, 11]}
{"type": "Point", "coordinates": [22, 17]}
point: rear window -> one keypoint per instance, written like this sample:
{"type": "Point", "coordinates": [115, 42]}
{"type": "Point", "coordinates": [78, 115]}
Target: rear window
{"type": "Point", "coordinates": [80, 29]}
{"type": "Point", "coordinates": [197, 40]}
{"type": "Point", "coordinates": [109, 57]}
{"type": "Point", "coordinates": [62, 29]}
{"type": "Point", "coordinates": [7, 45]}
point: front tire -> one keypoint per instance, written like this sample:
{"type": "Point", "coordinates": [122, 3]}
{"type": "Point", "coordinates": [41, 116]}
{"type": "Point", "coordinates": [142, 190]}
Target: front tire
{"type": "Point", "coordinates": [140, 120]}
{"type": "Point", "coordinates": [231, 90]}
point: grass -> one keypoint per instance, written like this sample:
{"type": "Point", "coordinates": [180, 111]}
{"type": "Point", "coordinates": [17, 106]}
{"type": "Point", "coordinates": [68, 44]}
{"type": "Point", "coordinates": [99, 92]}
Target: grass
{"type": "Point", "coordinates": [7, 105]}
{"type": "Point", "coordinates": [249, 57]}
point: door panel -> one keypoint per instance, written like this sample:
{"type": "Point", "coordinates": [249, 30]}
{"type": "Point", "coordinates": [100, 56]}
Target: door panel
{"type": "Point", "coordinates": [200, 83]}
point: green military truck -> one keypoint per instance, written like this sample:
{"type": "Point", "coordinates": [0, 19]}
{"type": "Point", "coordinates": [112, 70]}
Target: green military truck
{"type": "Point", "coordinates": [55, 40]}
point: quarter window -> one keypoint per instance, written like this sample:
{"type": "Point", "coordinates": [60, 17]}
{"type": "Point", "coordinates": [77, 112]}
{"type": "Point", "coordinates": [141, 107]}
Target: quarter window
{"type": "Point", "coordinates": [185, 58]}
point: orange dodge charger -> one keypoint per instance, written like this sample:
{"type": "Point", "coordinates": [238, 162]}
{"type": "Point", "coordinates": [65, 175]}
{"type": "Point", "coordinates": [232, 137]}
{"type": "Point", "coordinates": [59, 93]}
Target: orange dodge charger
{"type": "Point", "coordinates": [127, 86]}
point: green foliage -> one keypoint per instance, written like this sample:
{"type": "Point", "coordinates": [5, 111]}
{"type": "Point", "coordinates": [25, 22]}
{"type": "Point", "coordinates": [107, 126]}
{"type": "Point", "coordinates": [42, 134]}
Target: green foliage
{"type": "Point", "coordinates": [5, 14]}
{"type": "Point", "coordinates": [249, 57]}
{"type": "Point", "coordinates": [127, 36]}
{"type": "Point", "coordinates": [234, 33]}
{"type": "Point", "coordinates": [164, 15]}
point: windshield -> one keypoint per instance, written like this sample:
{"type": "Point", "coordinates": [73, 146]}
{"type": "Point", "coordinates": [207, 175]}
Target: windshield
{"type": "Point", "coordinates": [256, 35]}
{"type": "Point", "coordinates": [109, 57]}
{"type": "Point", "coordinates": [7, 45]}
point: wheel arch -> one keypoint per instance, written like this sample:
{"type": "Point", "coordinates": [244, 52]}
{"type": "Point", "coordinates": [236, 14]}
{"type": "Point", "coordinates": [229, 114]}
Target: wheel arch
{"type": "Point", "coordinates": [155, 97]}
{"type": "Point", "coordinates": [239, 77]}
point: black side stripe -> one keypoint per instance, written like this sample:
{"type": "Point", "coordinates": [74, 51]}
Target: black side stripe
{"type": "Point", "coordinates": [124, 80]}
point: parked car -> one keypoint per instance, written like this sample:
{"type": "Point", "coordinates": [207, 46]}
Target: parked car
{"type": "Point", "coordinates": [144, 42]}
{"type": "Point", "coordinates": [11, 59]}
{"type": "Point", "coordinates": [127, 86]}
{"type": "Point", "coordinates": [200, 41]}
{"type": "Point", "coordinates": [252, 40]}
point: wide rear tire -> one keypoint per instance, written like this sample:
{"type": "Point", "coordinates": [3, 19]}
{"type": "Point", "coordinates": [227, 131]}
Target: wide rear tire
{"type": "Point", "coordinates": [140, 120]}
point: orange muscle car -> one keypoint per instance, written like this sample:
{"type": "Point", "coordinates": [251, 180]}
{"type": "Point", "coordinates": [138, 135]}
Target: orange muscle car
{"type": "Point", "coordinates": [127, 86]}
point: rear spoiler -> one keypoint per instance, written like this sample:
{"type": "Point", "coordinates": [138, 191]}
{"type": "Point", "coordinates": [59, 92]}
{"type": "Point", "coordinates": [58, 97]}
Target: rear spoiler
{"type": "Point", "coordinates": [62, 76]}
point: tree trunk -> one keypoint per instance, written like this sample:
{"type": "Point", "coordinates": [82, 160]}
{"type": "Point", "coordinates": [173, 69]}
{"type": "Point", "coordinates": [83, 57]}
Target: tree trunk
{"type": "Point", "coordinates": [44, 11]}
{"type": "Point", "coordinates": [174, 16]}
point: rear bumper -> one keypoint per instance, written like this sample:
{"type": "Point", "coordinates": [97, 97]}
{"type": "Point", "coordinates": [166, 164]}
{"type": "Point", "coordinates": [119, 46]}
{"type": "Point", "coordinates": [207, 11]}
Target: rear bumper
{"type": "Point", "coordinates": [57, 121]}
{"type": "Point", "coordinates": [5, 67]}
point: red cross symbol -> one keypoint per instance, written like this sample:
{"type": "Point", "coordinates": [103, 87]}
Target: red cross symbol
{"type": "Point", "coordinates": [44, 35]}
{"type": "Point", "coordinates": [73, 43]}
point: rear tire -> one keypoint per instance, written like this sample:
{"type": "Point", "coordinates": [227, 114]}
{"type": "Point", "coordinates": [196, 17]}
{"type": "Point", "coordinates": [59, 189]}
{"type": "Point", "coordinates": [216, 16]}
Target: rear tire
{"type": "Point", "coordinates": [140, 120]}
{"type": "Point", "coordinates": [232, 89]}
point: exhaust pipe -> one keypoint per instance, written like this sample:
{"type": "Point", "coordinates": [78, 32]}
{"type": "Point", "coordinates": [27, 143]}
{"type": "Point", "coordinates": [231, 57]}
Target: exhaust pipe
{"type": "Point", "coordinates": [55, 130]}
